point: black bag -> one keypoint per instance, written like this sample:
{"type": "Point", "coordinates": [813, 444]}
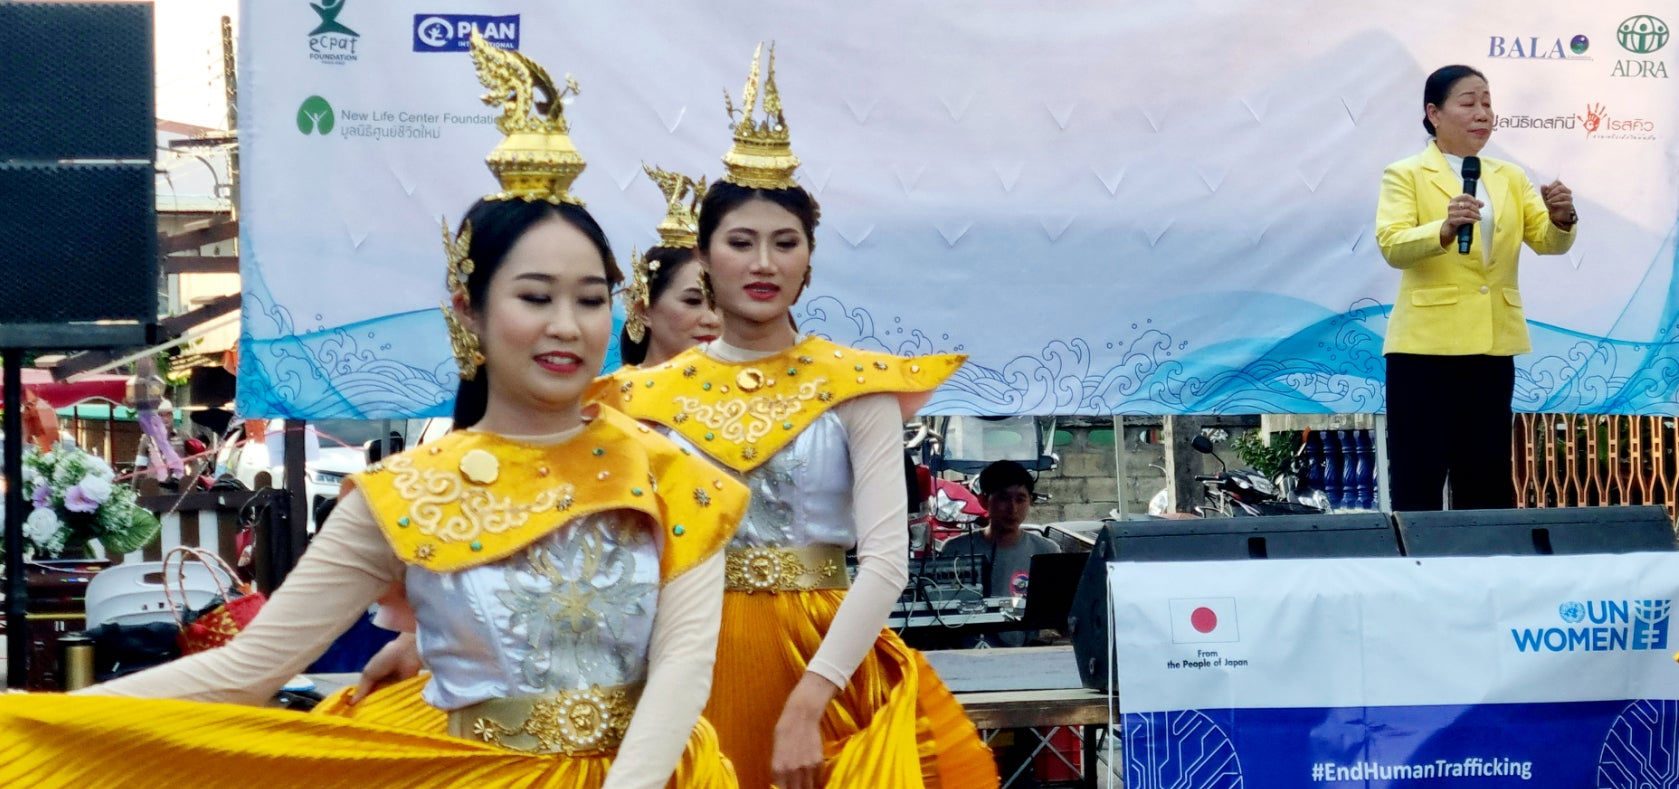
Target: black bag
{"type": "Point", "coordinates": [119, 650]}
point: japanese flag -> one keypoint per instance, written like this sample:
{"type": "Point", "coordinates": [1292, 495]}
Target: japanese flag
{"type": "Point", "coordinates": [1204, 620]}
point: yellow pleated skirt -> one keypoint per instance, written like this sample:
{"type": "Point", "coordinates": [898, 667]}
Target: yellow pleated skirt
{"type": "Point", "coordinates": [895, 726]}
{"type": "Point", "coordinates": [398, 705]}
{"type": "Point", "coordinates": [86, 742]}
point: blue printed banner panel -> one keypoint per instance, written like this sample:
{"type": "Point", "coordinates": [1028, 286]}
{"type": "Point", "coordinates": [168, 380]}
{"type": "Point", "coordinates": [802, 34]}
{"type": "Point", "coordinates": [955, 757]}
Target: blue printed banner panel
{"type": "Point", "coordinates": [1553, 671]}
{"type": "Point", "coordinates": [1602, 744]}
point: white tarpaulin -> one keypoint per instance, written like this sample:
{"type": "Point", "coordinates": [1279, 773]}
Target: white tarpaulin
{"type": "Point", "coordinates": [1475, 672]}
{"type": "Point", "coordinates": [1144, 207]}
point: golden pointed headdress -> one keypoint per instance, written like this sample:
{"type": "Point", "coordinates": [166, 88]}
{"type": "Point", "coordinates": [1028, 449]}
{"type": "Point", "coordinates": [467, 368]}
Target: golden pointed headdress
{"type": "Point", "coordinates": [679, 230]}
{"type": "Point", "coordinates": [537, 160]}
{"type": "Point", "coordinates": [762, 156]}
{"type": "Point", "coordinates": [681, 226]}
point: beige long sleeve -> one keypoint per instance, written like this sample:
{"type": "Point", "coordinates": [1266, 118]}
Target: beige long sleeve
{"type": "Point", "coordinates": [347, 566]}
{"type": "Point", "coordinates": [680, 657]}
{"type": "Point", "coordinates": [874, 428]}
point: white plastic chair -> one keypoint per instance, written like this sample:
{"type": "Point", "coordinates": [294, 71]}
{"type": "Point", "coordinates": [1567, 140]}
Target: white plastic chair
{"type": "Point", "coordinates": [132, 593]}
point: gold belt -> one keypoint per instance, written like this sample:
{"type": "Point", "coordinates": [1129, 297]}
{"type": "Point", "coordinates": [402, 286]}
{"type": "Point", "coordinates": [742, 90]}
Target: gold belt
{"type": "Point", "coordinates": [801, 569]}
{"type": "Point", "coordinates": [571, 722]}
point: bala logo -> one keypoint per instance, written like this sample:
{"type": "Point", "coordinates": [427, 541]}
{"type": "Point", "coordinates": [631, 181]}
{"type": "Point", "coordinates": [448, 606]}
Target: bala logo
{"type": "Point", "coordinates": [1204, 620]}
{"type": "Point", "coordinates": [1538, 48]}
{"type": "Point", "coordinates": [453, 32]}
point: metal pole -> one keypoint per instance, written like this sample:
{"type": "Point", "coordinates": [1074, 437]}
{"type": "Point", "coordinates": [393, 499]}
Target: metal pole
{"type": "Point", "coordinates": [1119, 465]}
{"type": "Point", "coordinates": [1379, 437]}
{"type": "Point", "coordinates": [230, 79]}
{"type": "Point", "coordinates": [297, 486]}
{"type": "Point", "coordinates": [17, 590]}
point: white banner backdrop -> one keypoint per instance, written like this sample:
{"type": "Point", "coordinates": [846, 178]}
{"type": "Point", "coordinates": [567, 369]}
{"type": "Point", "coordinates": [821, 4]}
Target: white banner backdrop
{"type": "Point", "coordinates": [1149, 207]}
{"type": "Point", "coordinates": [1508, 671]}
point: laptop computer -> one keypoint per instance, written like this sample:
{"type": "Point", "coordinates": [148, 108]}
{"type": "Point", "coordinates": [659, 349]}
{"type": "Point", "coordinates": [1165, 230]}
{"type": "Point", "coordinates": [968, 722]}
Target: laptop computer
{"type": "Point", "coordinates": [1052, 580]}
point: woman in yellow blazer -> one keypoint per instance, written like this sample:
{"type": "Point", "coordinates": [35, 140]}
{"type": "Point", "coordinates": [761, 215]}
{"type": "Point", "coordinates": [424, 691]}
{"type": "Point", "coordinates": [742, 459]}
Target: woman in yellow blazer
{"type": "Point", "coordinates": [1458, 321]}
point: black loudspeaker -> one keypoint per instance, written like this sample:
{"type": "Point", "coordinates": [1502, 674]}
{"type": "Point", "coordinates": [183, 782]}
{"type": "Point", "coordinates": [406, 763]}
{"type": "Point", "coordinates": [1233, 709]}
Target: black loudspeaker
{"type": "Point", "coordinates": [77, 83]}
{"type": "Point", "coordinates": [1536, 532]}
{"type": "Point", "coordinates": [80, 243]}
{"type": "Point", "coordinates": [78, 214]}
{"type": "Point", "coordinates": [1281, 537]}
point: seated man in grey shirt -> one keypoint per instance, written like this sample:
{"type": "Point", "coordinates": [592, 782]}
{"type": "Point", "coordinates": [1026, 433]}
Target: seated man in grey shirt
{"type": "Point", "coordinates": [1007, 487]}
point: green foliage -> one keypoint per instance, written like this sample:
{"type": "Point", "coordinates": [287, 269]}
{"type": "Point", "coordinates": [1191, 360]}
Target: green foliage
{"type": "Point", "coordinates": [1267, 460]}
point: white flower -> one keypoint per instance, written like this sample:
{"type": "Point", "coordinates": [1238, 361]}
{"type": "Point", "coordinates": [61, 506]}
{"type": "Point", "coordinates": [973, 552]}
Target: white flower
{"type": "Point", "coordinates": [65, 474]}
{"type": "Point", "coordinates": [97, 467]}
{"type": "Point", "coordinates": [41, 526]}
{"type": "Point", "coordinates": [96, 488]}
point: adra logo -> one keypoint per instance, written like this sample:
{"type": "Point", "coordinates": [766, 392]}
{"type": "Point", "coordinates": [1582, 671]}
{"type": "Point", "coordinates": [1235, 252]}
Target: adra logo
{"type": "Point", "coordinates": [315, 116]}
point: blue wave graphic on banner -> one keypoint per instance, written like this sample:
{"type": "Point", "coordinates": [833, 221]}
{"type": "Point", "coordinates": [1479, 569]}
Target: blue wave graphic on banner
{"type": "Point", "coordinates": [393, 367]}
{"type": "Point", "coordinates": [1326, 362]}
{"type": "Point", "coordinates": [384, 368]}
{"type": "Point", "coordinates": [1332, 364]}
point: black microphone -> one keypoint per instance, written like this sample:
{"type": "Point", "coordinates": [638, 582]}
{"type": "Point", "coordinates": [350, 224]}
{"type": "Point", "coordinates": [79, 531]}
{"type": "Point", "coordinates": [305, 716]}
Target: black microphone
{"type": "Point", "coordinates": [1471, 174]}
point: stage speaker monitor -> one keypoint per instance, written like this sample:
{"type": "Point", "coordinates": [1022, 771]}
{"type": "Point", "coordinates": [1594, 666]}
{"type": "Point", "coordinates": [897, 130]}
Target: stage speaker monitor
{"type": "Point", "coordinates": [77, 83]}
{"type": "Point", "coordinates": [80, 244]}
{"type": "Point", "coordinates": [1536, 532]}
{"type": "Point", "coordinates": [1281, 537]}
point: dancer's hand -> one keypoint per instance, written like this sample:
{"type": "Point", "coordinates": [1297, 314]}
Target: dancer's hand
{"type": "Point", "coordinates": [797, 757]}
{"type": "Point", "coordinates": [394, 662]}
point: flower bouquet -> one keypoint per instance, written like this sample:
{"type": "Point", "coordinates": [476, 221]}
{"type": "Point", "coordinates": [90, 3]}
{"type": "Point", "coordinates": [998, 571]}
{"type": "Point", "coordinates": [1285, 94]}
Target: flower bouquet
{"type": "Point", "coordinates": [76, 500]}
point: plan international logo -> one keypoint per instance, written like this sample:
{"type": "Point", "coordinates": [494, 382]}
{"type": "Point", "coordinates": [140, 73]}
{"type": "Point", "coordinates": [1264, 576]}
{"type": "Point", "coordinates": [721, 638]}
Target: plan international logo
{"type": "Point", "coordinates": [453, 32]}
{"type": "Point", "coordinates": [1601, 626]}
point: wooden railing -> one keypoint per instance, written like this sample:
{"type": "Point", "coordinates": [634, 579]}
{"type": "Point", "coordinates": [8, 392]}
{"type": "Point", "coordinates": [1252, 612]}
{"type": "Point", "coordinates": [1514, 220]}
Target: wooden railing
{"type": "Point", "coordinates": [1573, 460]}
{"type": "Point", "coordinates": [208, 520]}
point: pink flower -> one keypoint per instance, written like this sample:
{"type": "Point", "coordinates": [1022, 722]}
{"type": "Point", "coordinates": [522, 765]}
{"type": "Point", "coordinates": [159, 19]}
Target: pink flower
{"type": "Point", "coordinates": [77, 501]}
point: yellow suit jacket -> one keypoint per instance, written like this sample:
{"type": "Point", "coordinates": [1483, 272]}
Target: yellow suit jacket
{"type": "Point", "coordinates": [1451, 304]}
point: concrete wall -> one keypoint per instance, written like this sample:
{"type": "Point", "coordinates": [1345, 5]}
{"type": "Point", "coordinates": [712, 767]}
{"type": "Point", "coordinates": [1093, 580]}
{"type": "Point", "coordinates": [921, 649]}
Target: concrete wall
{"type": "Point", "coordinates": [1087, 484]}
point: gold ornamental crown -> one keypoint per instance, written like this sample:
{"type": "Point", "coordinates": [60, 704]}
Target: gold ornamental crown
{"type": "Point", "coordinates": [537, 160]}
{"type": "Point", "coordinates": [762, 156]}
{"type": "Point", "coordinates": [679, 230]}
{"type": "Point", "coordinates": [681, 226]}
